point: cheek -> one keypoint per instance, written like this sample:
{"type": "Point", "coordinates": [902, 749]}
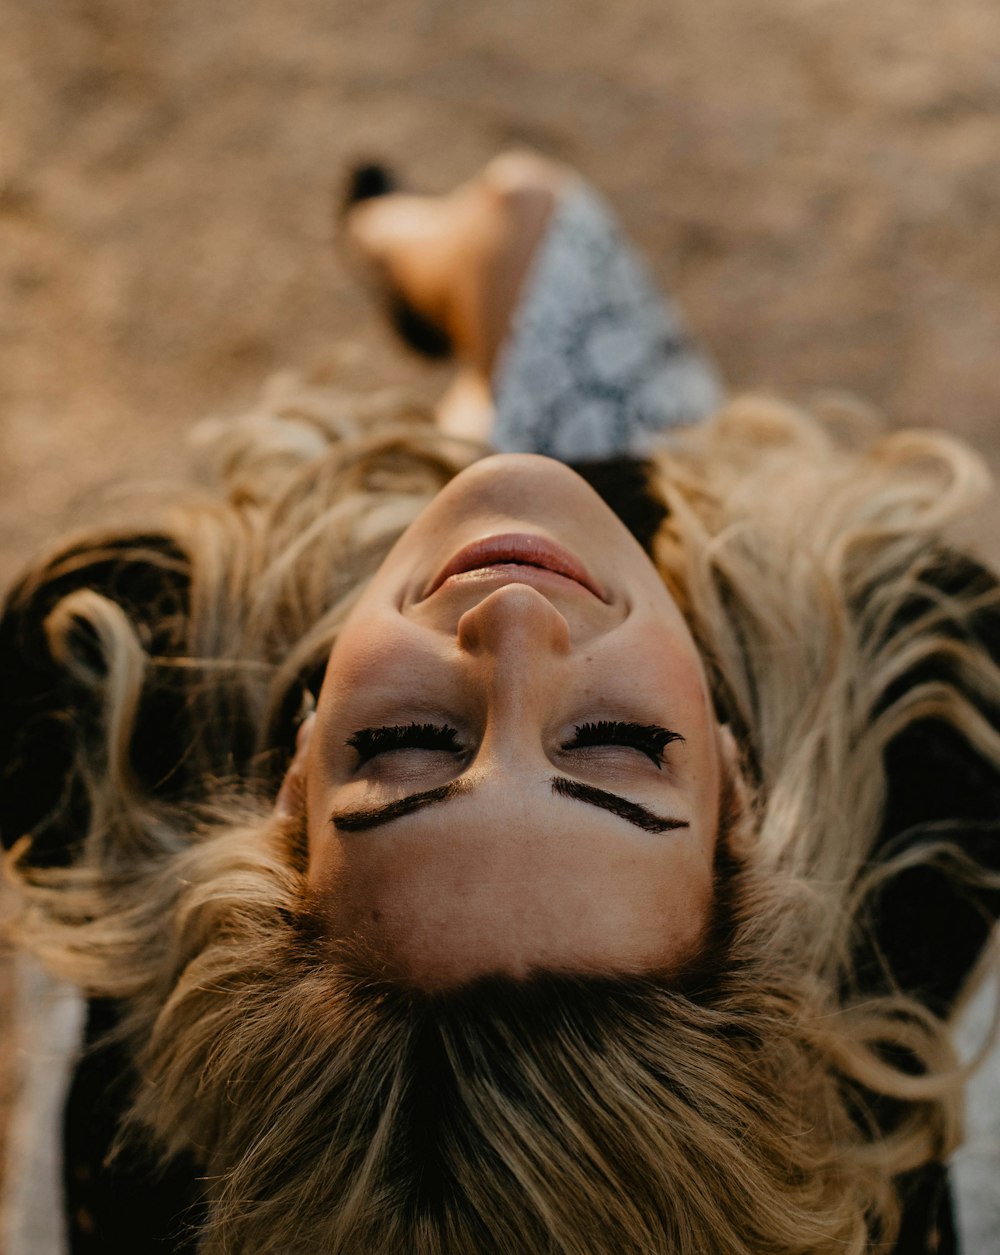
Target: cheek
{"type": "Point", "coordinates": [368, 645]}
{"type": "Point", "coordinates": [659, 666]}
{"type": "Point", "coordinates": [667, 669]}
{"type": "Point", "coordinates": [379, 665]}
{"type": "Point", "coordinates": [666, 656]}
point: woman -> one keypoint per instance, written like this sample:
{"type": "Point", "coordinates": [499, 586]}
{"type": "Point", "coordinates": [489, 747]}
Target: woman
{"type": "Point", "coordinates": [616, 894]}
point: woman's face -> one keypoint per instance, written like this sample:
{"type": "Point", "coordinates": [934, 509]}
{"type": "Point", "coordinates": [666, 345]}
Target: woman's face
{"type": "Point", "coordinates": [514, 767]}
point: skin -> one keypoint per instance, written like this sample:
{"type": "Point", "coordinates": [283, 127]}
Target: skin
{"type": "Point", "coordinates": [461, 259]}
{"type": "Point", "coordinates": [509, 877]}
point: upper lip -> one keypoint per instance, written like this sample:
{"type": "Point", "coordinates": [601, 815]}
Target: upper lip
{"type": "Point", "coordinates": [523, 549]}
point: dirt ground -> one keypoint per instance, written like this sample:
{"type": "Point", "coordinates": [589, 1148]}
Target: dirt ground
{"type": "Point", "coordinates": [817, 180]}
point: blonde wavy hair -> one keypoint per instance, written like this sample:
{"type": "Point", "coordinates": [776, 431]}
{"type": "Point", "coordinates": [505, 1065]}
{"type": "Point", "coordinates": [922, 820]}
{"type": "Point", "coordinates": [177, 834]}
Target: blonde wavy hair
{"type": "Point", "coordinates": [333, 1111]}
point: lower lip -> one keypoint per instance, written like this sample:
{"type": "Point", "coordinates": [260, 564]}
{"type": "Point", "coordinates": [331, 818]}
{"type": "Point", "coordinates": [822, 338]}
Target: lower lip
{"type": "Point", "coordinates": [516, 549]}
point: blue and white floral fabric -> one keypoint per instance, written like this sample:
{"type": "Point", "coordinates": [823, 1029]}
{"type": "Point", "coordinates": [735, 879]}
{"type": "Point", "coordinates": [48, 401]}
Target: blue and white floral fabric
{"type": "Point", "coordinates": [598, 362]}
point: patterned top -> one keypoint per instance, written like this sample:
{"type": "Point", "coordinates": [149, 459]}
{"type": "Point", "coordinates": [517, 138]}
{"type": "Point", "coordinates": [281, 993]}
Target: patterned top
{"type": "Point", "coordinates": [598, 363]}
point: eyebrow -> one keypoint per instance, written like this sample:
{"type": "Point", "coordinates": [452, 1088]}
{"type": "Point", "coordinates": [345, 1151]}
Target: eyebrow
{"type": "Point", "coordinates": [638, 815]}
{"type": "Point", "coordinates": [374, 816]}
{"type": "Point", "coordinates": [367, 817]}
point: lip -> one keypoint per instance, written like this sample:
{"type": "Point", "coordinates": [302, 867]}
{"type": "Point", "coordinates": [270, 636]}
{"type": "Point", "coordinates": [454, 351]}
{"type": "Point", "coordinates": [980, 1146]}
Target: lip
{"type": "Point", "coordinates": [524, 549]}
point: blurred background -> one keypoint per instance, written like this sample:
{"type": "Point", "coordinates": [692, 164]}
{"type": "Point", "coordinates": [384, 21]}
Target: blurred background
{"type": "Point", "coordinates": [817, 180]}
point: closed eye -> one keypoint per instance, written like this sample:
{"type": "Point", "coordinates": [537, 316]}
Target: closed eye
{"type": "Point", "coordinates": [371, 742]}
{"type": "Point", "coordinates": [648, 738]}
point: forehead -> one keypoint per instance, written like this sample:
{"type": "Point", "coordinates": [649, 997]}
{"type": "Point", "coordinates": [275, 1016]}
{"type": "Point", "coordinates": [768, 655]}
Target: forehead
{"type": "Point", "coordinates": [490, 882]}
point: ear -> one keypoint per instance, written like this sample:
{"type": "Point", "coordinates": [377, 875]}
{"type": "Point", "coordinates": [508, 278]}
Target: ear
{"type": "Point", "coordinates": [291, 795]}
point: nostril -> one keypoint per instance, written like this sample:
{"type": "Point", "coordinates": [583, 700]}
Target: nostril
{"type": "Point", "coordinates": [468, 631]}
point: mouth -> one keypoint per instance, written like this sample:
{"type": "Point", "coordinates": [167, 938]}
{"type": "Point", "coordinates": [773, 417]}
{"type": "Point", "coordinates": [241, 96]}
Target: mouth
{"type": "Point", "coordinates": [516, 549]}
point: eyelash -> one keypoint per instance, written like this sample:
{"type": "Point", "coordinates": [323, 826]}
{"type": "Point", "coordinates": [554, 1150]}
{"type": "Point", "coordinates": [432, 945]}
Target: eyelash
{"type": "Point", "coordinates": [370, 742]}
{"type": "Point", "coordinates": [648, 739]}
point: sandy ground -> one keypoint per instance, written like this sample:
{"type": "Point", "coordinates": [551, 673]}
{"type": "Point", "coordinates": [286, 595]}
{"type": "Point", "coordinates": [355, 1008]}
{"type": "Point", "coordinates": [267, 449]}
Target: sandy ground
{"type": "Point", "coordinates": [816, 179]}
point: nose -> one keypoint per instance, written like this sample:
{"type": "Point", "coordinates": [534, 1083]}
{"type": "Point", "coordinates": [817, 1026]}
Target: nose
{"type": "Point", "coordinates": [517, 626]}
{"type": "Point", "coordinates": [515, 639]}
